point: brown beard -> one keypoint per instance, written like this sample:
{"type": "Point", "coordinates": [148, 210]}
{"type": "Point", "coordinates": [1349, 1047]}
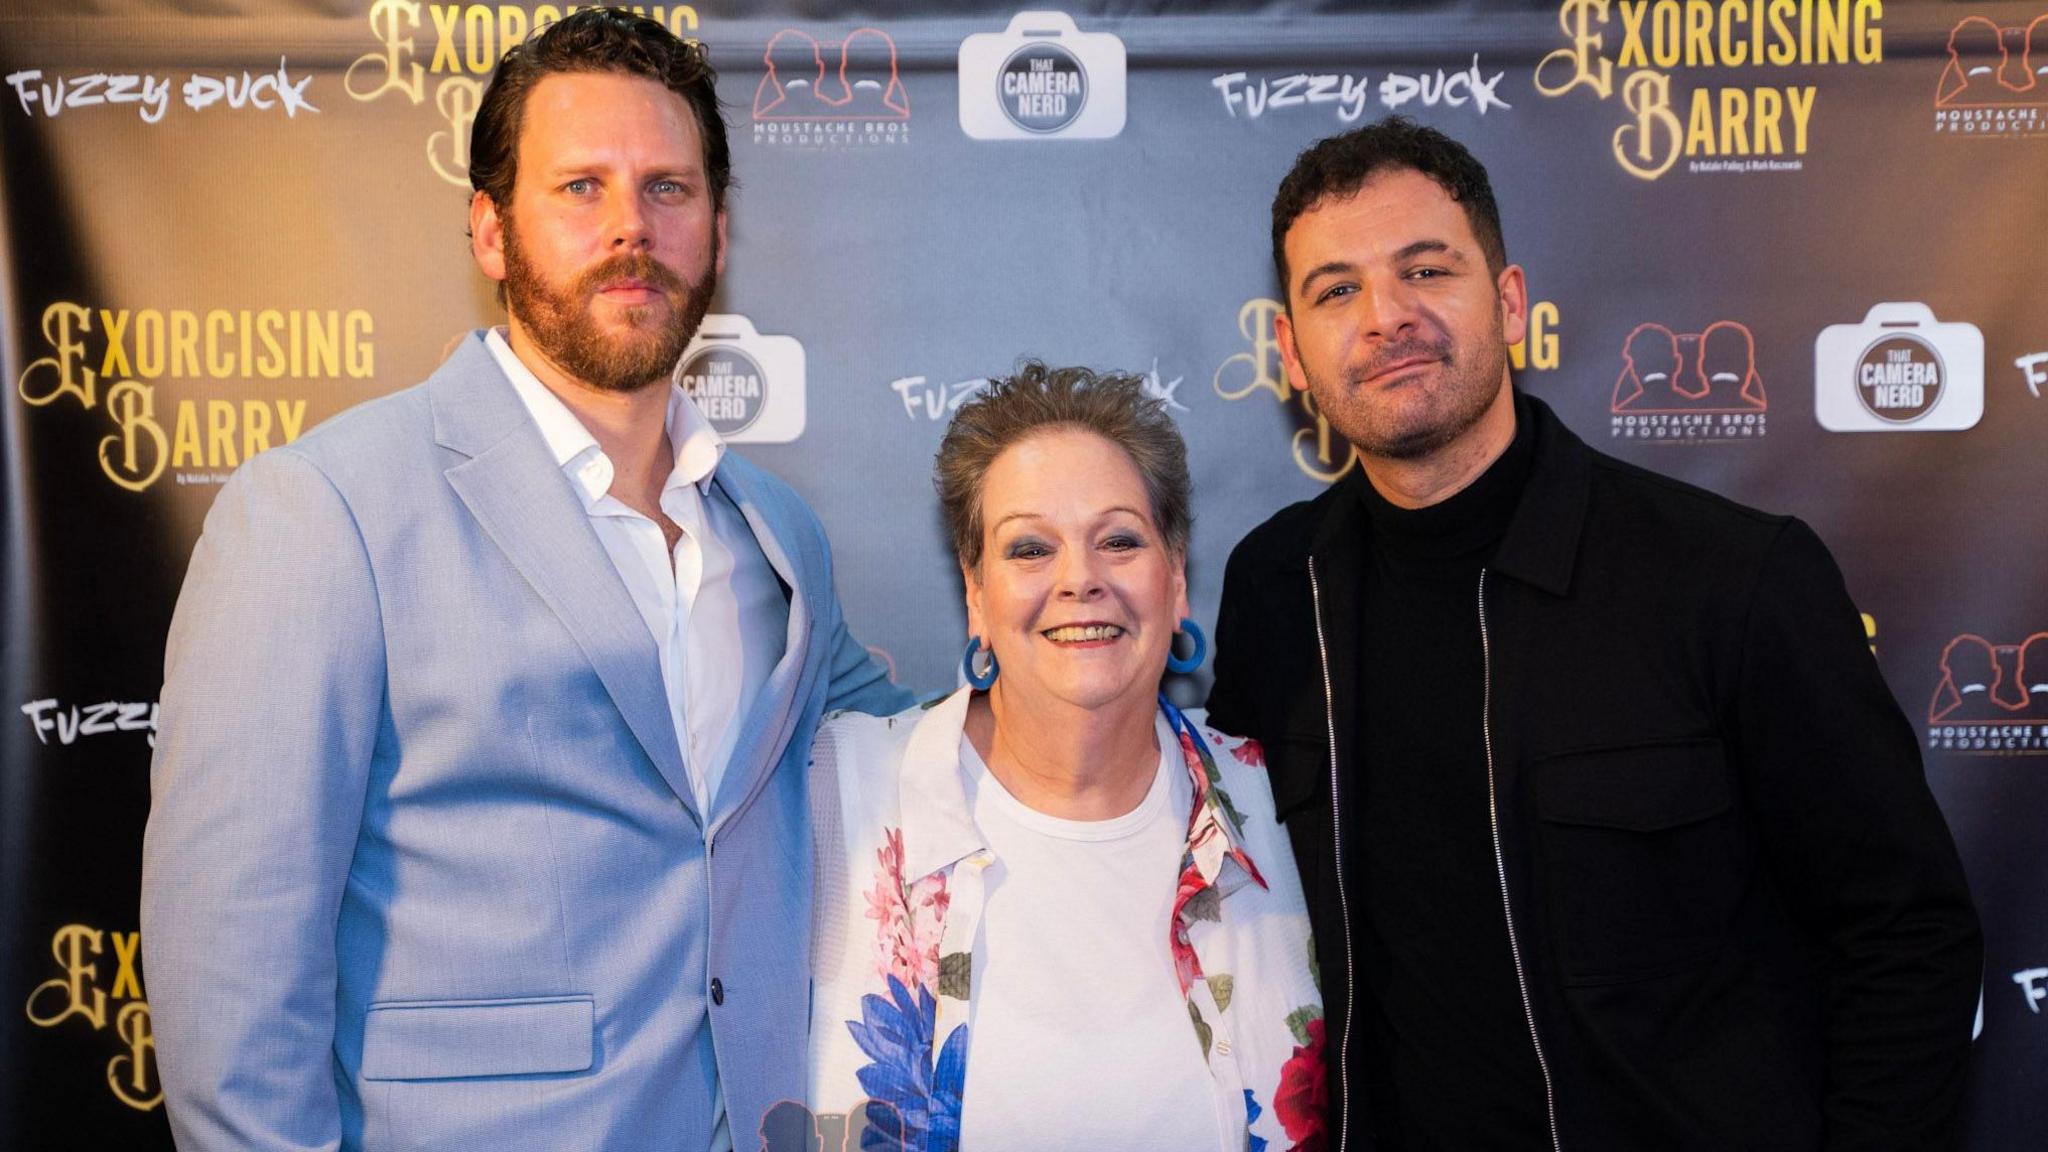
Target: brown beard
{"type": "Point", "coordinates": [560, 324]}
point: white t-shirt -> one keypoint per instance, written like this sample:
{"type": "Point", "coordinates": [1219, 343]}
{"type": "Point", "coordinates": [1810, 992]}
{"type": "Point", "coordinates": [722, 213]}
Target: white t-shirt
{"type": "Point", "coordinates": [1079, 1036]}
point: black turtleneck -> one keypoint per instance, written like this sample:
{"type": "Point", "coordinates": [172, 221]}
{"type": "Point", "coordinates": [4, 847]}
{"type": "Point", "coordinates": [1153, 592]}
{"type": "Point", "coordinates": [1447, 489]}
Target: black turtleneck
{"type": "Point", "coordinates": [1448, 1059]}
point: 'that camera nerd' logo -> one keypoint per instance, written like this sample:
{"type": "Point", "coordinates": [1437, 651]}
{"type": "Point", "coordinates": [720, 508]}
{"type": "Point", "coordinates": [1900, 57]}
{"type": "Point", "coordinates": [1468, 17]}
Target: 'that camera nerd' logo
{"type": "Point", "coordinates": [749, 386]}
{"type": "Point", "coordinates": [1900, 370]}
{"type": "Point", "coordinates": [1042, 77]}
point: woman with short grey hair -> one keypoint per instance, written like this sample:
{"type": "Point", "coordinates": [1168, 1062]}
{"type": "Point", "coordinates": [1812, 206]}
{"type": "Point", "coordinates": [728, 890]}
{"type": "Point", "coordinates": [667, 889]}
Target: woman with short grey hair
{"type": "Point", "coordinates": [1053, 910]}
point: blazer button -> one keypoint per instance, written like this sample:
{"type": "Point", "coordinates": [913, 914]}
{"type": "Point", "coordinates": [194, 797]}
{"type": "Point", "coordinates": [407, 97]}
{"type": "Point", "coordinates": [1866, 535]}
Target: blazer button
{"type": "Point", "coordinates": [717, 991]}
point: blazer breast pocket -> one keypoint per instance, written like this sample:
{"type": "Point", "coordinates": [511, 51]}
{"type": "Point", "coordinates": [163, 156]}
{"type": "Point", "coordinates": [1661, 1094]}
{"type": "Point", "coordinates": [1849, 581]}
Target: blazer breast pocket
{"type": "Point", "coordinates": [1638, 857]}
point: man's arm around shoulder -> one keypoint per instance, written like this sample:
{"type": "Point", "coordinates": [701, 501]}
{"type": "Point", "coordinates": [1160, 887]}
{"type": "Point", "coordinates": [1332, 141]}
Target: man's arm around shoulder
{"type": "Point", "coordinates": [273, 691]}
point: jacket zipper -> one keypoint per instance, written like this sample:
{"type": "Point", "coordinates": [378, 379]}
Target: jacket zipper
{"type": "Point", "coordinates": [1499, 860]}
{"type": "Point", "coordinates": [1344, 906]}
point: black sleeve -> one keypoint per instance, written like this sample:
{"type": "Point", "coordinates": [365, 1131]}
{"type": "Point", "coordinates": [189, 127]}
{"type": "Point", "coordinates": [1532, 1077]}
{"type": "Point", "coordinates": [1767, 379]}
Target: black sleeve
{"type": "Point", "coordinates": [1831, 770]}
{"type": "Point", "coordinates": [1233, 699]}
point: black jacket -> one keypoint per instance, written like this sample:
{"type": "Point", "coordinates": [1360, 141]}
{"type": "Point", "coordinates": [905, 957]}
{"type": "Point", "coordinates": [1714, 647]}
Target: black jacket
{"type": "Point", "coordinates": [1739, 917]}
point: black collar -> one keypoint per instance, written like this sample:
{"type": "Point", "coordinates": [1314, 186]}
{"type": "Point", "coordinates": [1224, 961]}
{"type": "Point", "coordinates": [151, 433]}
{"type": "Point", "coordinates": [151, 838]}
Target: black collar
{"type": "Point", "coordinates": [1542, 541]}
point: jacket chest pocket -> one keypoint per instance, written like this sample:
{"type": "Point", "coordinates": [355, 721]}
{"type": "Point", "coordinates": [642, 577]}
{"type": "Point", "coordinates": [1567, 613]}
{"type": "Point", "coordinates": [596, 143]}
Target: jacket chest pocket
{"type": "Point", "coordinates": [1637, 857]}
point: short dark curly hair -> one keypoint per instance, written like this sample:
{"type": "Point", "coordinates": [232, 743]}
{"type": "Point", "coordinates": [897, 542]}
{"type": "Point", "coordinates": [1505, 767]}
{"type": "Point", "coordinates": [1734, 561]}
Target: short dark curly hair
{"type": "Point", "coordinates": [1115, 406]}
{"type": "Point", "coordinates": [594, 40]}
{"type": "Point", "coordinates": [1338, 166]}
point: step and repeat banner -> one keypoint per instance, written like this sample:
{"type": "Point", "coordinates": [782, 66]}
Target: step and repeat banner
{"type": "Point", "coordinates": [1790, 250]}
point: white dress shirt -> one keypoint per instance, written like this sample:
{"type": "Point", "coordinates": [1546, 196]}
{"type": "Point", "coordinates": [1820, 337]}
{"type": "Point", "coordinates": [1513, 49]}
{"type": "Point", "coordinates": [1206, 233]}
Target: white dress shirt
{"type": "Point", "coordinates": [715, 606]}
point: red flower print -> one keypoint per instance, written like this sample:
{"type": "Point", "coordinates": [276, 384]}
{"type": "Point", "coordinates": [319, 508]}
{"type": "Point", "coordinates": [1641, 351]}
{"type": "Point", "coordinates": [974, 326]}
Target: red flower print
{"type": "Point", "coordinates": [1303, 1099]}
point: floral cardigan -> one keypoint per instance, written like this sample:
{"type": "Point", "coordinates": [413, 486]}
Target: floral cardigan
{"type": "Point", "coordinates": [898, 904]}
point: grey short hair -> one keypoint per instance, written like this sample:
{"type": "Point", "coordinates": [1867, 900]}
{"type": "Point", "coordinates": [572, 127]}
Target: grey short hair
{"type": "Point", "coordinates": [1036, 399]}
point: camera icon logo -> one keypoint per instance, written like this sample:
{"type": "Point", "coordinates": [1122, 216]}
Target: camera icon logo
{"type": "Point", "coordinates": [1900, 370]}
{"type": "Point", "coordinates": [1042, 77]}
{"type": "Point", "coordinates": [749, 386]}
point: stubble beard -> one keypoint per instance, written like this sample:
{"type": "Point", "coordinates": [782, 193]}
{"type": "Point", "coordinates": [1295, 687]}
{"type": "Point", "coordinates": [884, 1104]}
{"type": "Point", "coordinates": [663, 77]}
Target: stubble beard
{"type": "Point", "coordinates": [1462, 394]}
{"type": "Point", "coordinates": [560, 322]}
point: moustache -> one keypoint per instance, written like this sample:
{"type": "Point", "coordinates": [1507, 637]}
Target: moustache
{"type": "Point", "coordinates": [1411, 348]}
{"type": "Point", "coordinates": [637, 266]}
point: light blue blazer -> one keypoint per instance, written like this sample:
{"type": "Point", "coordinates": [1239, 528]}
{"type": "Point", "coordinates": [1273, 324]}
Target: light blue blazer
{"type": "Point", "coordinates": [423, 869]}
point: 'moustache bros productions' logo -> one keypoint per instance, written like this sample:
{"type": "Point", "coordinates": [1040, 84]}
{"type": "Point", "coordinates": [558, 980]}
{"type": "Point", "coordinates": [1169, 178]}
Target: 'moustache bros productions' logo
{"type": "Point", "coordinates": [1992, 697]}
{"type": "Point", "coordinates": [1689, 387]}
{"type": "Point", "coordinates": [749, 386]}
{"type": "Point", "coordinates": [1730, 127]}
{"type": "Point", "coordinates": [1995, 79]}
{"type": "Point", "coordinates": [115, 360]}
{"type": "Point", "coordinates": [1317, 449]}
{"type": "Point", "coordinates": [468, 42]}
{"type": "Point", "coordinates": [1039, 78]}
{"type": "Point", "coordinates": [831, 95]}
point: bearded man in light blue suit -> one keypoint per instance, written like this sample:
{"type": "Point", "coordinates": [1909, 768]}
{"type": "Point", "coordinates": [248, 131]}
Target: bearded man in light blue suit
{"type": "Point", "coordinates": [479, 814]}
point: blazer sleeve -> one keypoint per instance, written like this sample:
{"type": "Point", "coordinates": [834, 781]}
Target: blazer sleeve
{"type": "Point", "coordinates": [273, 694]}
{"type": "Point", "coordinates": [1831, 769]}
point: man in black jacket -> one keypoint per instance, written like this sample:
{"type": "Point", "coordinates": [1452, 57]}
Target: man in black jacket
{"type": "Point", "coordinates": [1612, 834]}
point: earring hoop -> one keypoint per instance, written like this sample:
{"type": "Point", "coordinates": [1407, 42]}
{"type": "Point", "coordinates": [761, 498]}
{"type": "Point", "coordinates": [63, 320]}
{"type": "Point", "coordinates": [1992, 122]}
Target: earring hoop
{"type": "Point", "coordinates": [1193, 660]}
{"type": "Point", "coordinates": [985, 679]}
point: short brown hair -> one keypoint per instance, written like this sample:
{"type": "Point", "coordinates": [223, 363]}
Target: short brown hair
{"type": "Point", "coordinates": [1336, 167]}
{"type": "Point", "coordinates": [1115, 406]}
{"type": "Point", "coordinates": [594, 40]}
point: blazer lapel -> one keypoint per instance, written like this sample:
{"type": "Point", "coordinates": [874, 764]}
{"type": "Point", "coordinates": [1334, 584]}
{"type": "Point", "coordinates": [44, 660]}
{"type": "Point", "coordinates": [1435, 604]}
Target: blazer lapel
{"type": "Point", "coordinates": [766, 729]}
{"type": "Point", "coordinates": [522, 501]}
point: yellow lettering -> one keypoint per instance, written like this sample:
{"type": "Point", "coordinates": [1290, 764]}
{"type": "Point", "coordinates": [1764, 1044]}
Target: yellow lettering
{"type": "Point", "coordinates": [1869, 37]}
{"type": "Point", "coordinates": [1802, 111]}
{"type": "Point", "coordinates": [255, 427]}
{"type": "Point", "coordinates": [445, 57]}
{"type": "Point", "coordinates": [1632, 52]}
{"type": "Point", "coordinates": [127, 983]}
{"type": "Point", "coordinates": [388, 19]}
{"type": "Point", "coordinates": [1259, 367]}
{"type": "Point", "coordinates": [1783, 50]}
{"type": "Point", "coordinates": [1733, 51]}
{"type": "Point", "coordinates": [219, 364]}
{"type": "Point", "coordinates": [511, 26]}
{"type": "Point", "coordinates": [476, 29]}
{"type": "Point", "coordinates": [291, 415]}
{"type": "Point", "coordinates": [1648, 95]}
{"type": "Point", "coordinates": [270, 365]}
{"type": "Point", "coordinates": [362, 354]}
{"type": "Point", "coordinates": [1539, 349]}
{"type": "Point", "coordinates": [1323, 463]}
{"type": "Point", "coordinates": [115, 361]}
{"type": "Point", "coordinates": [69, 946]}
{"type": "Point", "coordinates": [1769, 106]}
{"type": "Point", "coordinates": [149, 343]}
{"type": "Point", "coordinates": [185, 438]}
{"type": "Point", "coordinates": [323, 344]}
{"type": "Point", "coordinates": [136, 1084]}
{"type": "Point", "coordinates": [1575, 19]}
{"type": "Point", "coordinates": [1834, 34]}
{"type": "Point", "coordinates": [1734, 122]}
{"type": "Point", "coordinates": [1664, 38]}
{"type": "Point", "coordinates": [132, 405]}
{"type": "Point", "coordinates": [1699, 125]}
{"type": "Point", "coordinates": [61, 324]}
{"type": "Point", "coordinates": [1699, 31]}
{"type": "Point", "coordinates": [184, 344]}
{"type": "Point", "coordinates": [220, 434]}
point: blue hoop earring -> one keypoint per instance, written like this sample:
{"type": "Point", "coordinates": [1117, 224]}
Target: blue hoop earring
{"type": "Point", "coordinates": [1193, 660]}
{"type": "Point", "coordinates": [985, 680]}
